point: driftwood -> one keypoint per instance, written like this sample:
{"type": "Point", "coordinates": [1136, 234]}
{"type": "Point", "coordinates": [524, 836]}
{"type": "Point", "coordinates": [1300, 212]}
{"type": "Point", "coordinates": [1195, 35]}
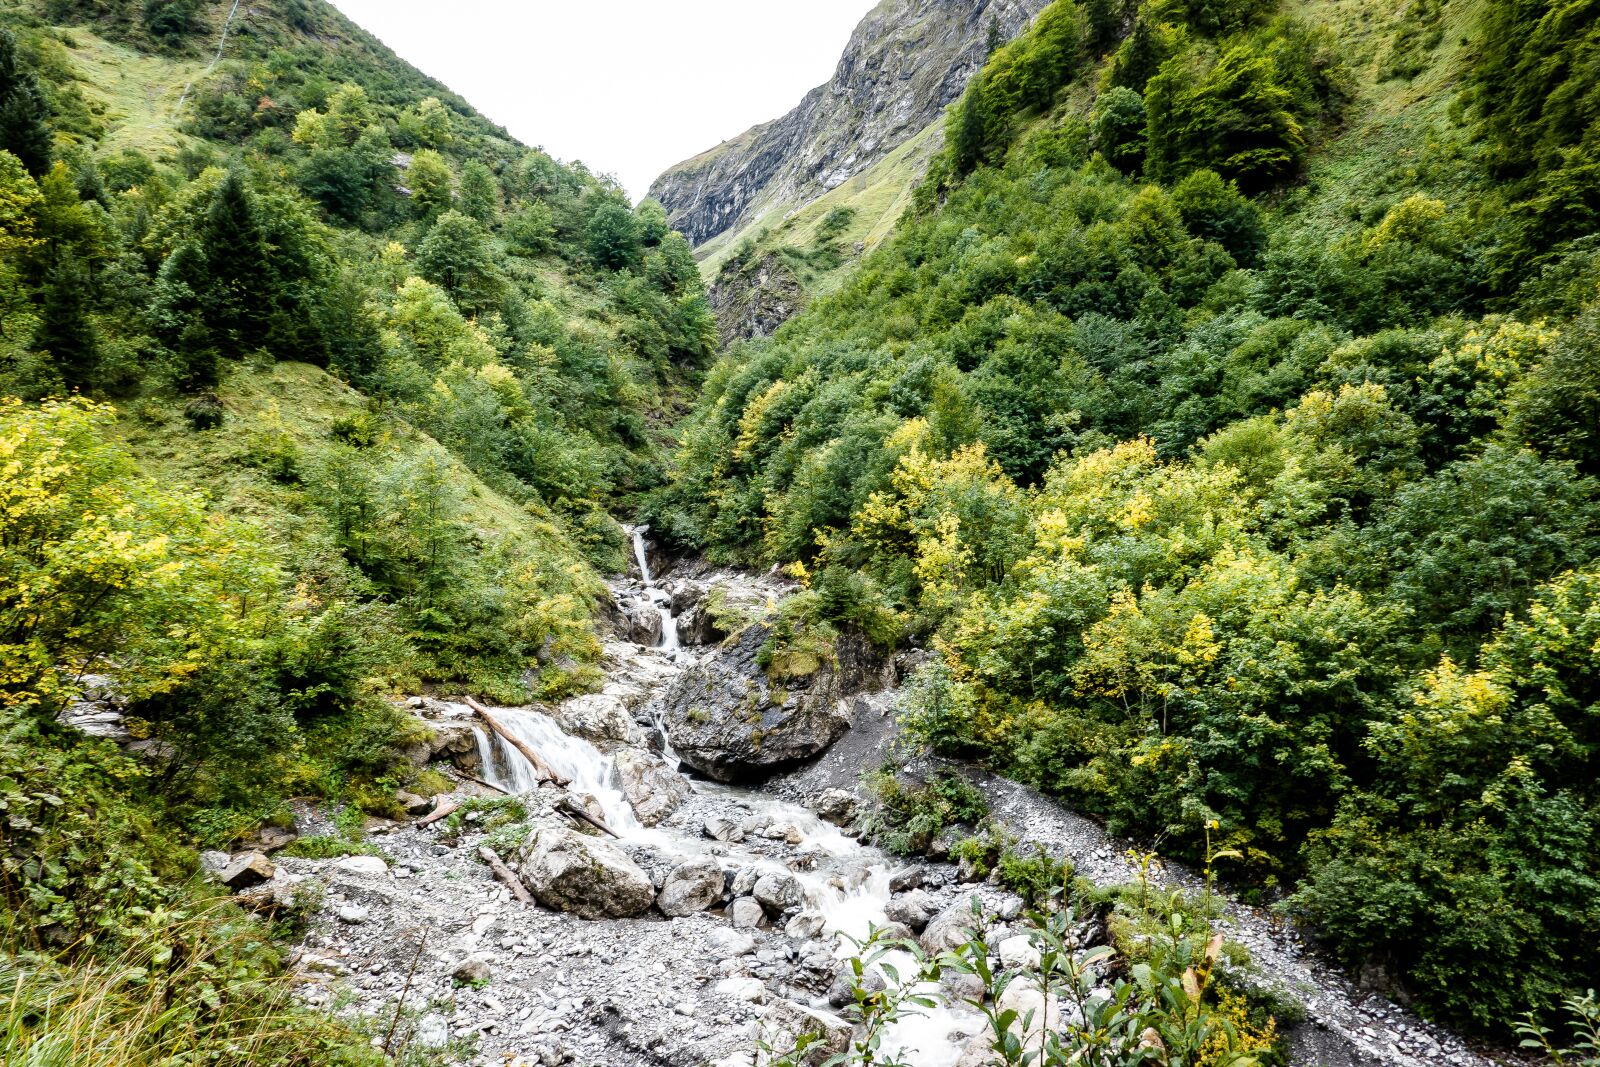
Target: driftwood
{"type": "Point", "coordinates": [544, 769]}
{"type": "Point", "coordinates": [442, 810]}
{"type": "Point", "coordinates": [505, 874]}
{"type": "Point", "coordinates": [569, 807]}
{"type": "Point", "coordinates": [486, 784]}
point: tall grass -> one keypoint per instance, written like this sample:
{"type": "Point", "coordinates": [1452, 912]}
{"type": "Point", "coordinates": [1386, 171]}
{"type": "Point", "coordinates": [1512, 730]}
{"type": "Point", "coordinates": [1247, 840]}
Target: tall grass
{"type": "Point", "coordinates": [203, 988]}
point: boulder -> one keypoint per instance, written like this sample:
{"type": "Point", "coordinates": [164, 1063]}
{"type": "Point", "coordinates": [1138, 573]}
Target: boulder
{"type": "Point", "coordinates": [781, 894]}
{"type": "Point", "coordinates": [654, 789]}
{"type": "Point", "coordinates": [835, 806]}
{"type": "Point", "coordinates": [640, 621]}
{"type": "Point", "coordinates": [725, 830]}
{"type": "Point", "coordinates": [1019, 953]}
{"type": "Point", "coordinates": [250, 869]}
{"type": "Point", "coordinates": [599, 718]}
{"type": "Point", "coordinates": [786, 1022]}
{"type": "Point", "coordinates": [1024, 997]}
{"type": "Point", "coordinates": [691, 888]}
{"type": "Point", "coordinates": [586, 876]}
{"type": "Point", "coordinates": [914, 910]}
{"type": "Point", "coordinates": [747, 913]}
{"type": "Point", "coordinates": [732, 721]}
{"type": "Point", "coordinates": [949, 929]}
{"type": "Point", "coordinates": [415, 806]}
{"type": "Point", "coordinates": [730, 944]}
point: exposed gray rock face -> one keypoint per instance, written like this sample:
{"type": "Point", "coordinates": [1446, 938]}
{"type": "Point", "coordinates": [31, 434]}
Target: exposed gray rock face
{"type": "Point", "coordinates": [731, 722]}
{"type": "Point", "coordinates": [905, 63]}
{"type": "Point", "coordinates": [584, 875]}
{"type": "Point", "coordinates": [753, 299]}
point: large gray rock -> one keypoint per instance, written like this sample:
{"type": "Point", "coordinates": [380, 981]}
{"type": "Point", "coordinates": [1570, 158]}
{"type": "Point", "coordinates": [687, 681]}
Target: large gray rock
{"type": "Point", "coordinates": [731, 721]}
{"type": "Point", "coordinates": [586, 876]}
{"type": "Point", "coordinates": [599, 718]}
{"type": "Point", "coordinates": [654, 789]}
{"type": "Point", "coordinates": [786, 1022]}
{"type": "Point", "coordinates": [691, 889]}
{"type": "Point", "coordinates": [779, 893]}
{"type": "Point", "coordinates": [250, 869]}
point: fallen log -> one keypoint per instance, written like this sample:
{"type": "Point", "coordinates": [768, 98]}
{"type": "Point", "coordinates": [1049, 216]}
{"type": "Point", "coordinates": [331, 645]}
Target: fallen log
{"type": "Point", "coordinates": [544, 770]}
{"type": "Point", "coordinates": [569, 807]}
{"type": "Point", "coordinates": [442, 810]}
{"type": "Point", "coordinates": [486, 784]}
{"type": "Point", "coordinates": [505, 874]}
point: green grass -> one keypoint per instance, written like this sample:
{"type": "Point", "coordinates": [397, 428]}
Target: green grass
{"type": "Point", "coordinates": [133, 92]}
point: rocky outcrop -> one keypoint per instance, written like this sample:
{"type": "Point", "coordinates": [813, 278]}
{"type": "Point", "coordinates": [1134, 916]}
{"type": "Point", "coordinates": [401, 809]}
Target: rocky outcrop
{"type": "Point", "coordinates": [905, 63]}
{"type": "Point", "coordinates": [731, 721]}
{"type": "Point", "coordinates": [585, 876]}
{"type": "Point", "coordinates": [752, 299]}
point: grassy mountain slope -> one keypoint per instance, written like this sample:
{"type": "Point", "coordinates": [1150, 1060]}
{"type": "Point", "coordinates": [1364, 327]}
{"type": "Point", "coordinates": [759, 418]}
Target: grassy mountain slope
{"type": "Point", "coordinates": [1216, 416]}
{"type": "Point", "coordinates": [353, 382]}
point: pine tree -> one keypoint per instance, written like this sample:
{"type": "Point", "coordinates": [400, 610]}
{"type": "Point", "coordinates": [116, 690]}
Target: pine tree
{"type": "Point", "coordinates": [239, 292]}
{"type": "Point", "coordinates": [66, 333]}
{"type": "Point", "coordinates": [23, 111]}
{"type": "Point", "coordinates": [995, 39]}
{"type": "Point", "coordinates": [967, 134]}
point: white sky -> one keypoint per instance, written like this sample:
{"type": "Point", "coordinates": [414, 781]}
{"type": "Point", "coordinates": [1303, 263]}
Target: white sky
{"type": "Point", "coordinates": [629, 87]}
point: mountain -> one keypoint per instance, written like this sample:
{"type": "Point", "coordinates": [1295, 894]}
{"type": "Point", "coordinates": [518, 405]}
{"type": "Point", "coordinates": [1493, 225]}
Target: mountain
{"type": "Point", "coordinates": [865, 135]}
{"type": "Point", "coordinates": [1222, 412]}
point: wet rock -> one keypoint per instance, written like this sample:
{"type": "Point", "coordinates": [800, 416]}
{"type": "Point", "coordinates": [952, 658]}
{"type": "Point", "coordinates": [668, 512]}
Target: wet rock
{"type": "Point", "coordinates": [640, 621]}
{"type": "Point", "coordinates": [747, 913]}
{"type": "Point", "coordinates": [732, 721]}
{"type": "Point", "coordinates": [805, 926]}
{"type": "Point", "coordinates": [726, 830]}
{"type": "Point", "coordinates": [906, 879]}
{"type": "Point", "coordinates": [779, 893]}
{"type": "Point", "coordinates": [915, 910]}
{"type": "Point", "coordinates": [599, 718]}
{"type": "Point", "coordinates": [691, 888]}
{"type": "Point", "coordinates": [842, 991]}
{"type": "Point", "coordinates": [654, 789]}
{"type": "Point", "coordinates": [246, 871]}
{"type": "Point", "coordinates": [589, 877]}
{"type": "Point", "coordinates": [835, 806]}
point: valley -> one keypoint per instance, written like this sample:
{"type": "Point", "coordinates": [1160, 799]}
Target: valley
{"type": "Point", "coordinates": [1078, 544]}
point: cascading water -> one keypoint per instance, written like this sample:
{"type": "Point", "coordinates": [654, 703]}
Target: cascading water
{"type": "Point", "coordinates": [668, 641]}
{"type": "Point", "coordinates": [847, 888]}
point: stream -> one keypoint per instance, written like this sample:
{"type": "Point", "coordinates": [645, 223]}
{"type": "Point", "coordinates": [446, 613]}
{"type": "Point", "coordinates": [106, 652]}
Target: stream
{"type": "Point", "coordinates": [847, 887]}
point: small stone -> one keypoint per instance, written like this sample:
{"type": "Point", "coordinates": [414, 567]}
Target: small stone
{"type": "Point", "coordinates": [414, 805]}
{"type": "Point", "coordinates": [691, 888]}
{"type": "Point", "coordinates": [779, 893]}
{"type": "Point", "coordinates": [752, 990]}
{"type": "Point", "coordinates": [474, 970]}
{"type": "Point", "coordinates": [433, 1032]}
{"type": "Point", "coordinates": [353, 914]}
{"type": "Point", "coordinates": [1019, 952]}
{"type": "Point", "coordinates": [805, 926]}
{"type": "Point", "coordinates": [364, 866]}
{"type": "Point", "coordinates": [906, 879]}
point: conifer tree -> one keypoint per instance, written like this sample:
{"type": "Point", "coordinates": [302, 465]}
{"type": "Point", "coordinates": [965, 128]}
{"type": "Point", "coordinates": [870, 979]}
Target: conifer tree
{"type": "Point", "coordinates": [66, 333]}
{"type": "Point", "coordinates": [967, 136]}
{"type": "Point", "coordinates": [23, 111]}
{"type": "Point", "coordinates": [239, 288]}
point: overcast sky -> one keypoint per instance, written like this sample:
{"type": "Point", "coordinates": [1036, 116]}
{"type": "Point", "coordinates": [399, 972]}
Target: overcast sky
{"type": "Point", "coordinates": [630, 87]}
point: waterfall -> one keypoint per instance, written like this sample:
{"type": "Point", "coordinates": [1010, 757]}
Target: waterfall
{"type": "Point", "coordinates": [668, 641]}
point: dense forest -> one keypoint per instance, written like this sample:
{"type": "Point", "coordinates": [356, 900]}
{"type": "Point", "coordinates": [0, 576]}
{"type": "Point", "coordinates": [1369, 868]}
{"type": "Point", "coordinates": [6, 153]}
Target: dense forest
{"type": "Point", "coordinates": [1225, 416]}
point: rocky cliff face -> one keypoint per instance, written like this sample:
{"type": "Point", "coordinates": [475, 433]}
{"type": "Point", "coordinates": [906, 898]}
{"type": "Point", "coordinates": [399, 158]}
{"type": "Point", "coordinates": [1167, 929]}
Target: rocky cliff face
{"type": "Point", "coordinates": [905, 63]}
